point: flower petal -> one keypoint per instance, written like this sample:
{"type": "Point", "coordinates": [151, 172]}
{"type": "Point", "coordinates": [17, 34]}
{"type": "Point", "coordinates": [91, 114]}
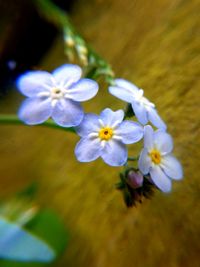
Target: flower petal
{"type": "Point", "coordinates": [172, 167]}
{"type": "Point", "coordinates": [123, 90]}
{"type": "Point", "coordinates": [121, 93]}
{"type": "Point", "coordinates": [67, 113]}
{"type": "Point", "coordinates": [114, 153]}
{"type": "Point", "coordinates": [34, 82]}
{"type": "Point", "coordinates": [140, 112]}
{"type": "Point", "coordinates": [83, 90]}
{"type": "Point", "coordinates": [144, 162]}
{"type": "Point", "coordinates": [126, 84]}
{"type": "Point", "coordinates": [155, 119]}
{"type": "Point", "coordinates": [110, 117]}
{"type": "Point", "coordinates": [35, 110]}
{"type": "Point", "coordinates": [88, 149]}
{"type": "Point", "coordinates": [148, 137]}
{"type": "Point", "coordinates": [163, 141]}
{"type": "Point", "coordinates": [67, 74]}
{"type": "Point", "coordinates": [89, 124]}
{"type": "Point", "coordinates": [160, 179]}
{"type": "Point", "coordinates": [129, 131]}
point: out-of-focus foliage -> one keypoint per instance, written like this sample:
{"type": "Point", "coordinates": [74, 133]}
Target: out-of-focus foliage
{"type": "Point", "coordinates": [29, 235]}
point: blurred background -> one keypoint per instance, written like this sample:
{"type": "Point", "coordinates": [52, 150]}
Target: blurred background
{"type": "Point", "coordinates": [154, 44]}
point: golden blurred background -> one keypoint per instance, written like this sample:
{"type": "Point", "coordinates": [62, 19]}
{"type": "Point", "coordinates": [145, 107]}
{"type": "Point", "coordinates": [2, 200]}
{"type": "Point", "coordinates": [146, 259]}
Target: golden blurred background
{"type": "Point", "coordinates": [154, 44]}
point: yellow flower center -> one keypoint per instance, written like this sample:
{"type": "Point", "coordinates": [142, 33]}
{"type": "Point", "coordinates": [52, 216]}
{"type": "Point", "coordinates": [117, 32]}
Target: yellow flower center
{"type": "Point", "coordinates": [105, 133]}
{"type": "Point", "coordinates": [155, 156]}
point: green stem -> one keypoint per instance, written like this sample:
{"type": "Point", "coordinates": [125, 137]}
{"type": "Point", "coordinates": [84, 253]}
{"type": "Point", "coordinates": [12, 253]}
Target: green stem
{"type": "Point", "coordinates": [11, 119]}
{"type": "Point", "coordinates": [94, 64]}
{"type": "Point", "coordinates": [133, 158]}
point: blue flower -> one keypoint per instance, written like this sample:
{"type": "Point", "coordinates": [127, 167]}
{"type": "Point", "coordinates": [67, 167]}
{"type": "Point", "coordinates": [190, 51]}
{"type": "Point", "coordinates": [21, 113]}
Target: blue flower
{"type": "Point", "coordinates": [105, 136]}
{"type": "Point", "coordinates": [144, 110]}
{"type": "Point", "coordinates": [157, 160]}
{"type": "Point", "coordinates": [55, 95]}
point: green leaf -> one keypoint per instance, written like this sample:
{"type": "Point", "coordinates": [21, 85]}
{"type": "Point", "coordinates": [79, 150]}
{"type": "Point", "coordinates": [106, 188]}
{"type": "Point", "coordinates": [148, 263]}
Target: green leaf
{"type": "Point", "coordinates": [47, 225]}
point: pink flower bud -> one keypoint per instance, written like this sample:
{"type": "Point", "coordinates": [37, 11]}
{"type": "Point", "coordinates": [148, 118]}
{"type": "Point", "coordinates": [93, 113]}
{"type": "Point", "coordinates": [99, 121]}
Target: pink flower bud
{"type": "Point", "coordinates": [135, 179]}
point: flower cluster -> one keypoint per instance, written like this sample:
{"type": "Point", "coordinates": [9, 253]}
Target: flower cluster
{"type": "Point", "coordinates": [58, 95]}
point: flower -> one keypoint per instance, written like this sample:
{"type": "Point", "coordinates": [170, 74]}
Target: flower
{"type": "Point", "coordinates": [144, 110]}
{"type": "Point", "coordinates": [55, 95]}
{"type": "Point", "coordinates": [157, 160]}
{"type": "Point", "coordinates": [105, 136]}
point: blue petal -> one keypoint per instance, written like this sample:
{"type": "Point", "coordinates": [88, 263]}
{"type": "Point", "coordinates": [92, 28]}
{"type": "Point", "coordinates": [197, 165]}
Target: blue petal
{"type": "Point", "coordinates": [148, 137]}
{"type": "Point", "coordinates": [17, 244]}
{"type": "Point", "coordinates": [160, 179]}
{"type": "Point", "coordinates": [155, 119]}
{"type": "Point", "coordinates": [130, 132]}
{"type": "Point", "coordinates": [34, 82]}
{"type": "Point", "coordinates": [126, 84]}
{"type": "Point", "coordinates": [121, 93]}
{"type": "Point", "coordinates": [172, 167]}
{"type": "Point", "coordinates": [123, 90]}
{"type": "Point", "coordinates": [163, 141]}
{"type": "Point", "coordinates": [140, 112]}
{"type": "Point", "coordinates": [110, 117]}
{"type": "Point", "coordinates": [88, 149]}
{"type": "Point", "coordinates": [114, 153]}
{"type": "Point", "coordinates": [89, 124]}
{"type": "Point", "coordinates": [67, 74]}
{"type": "Point", "coordinates": [83, 90]}
{"type": "Point", "coordinates": [144, 162]}
{"type": "Point", "coordinates": [67, 113]}
{"type": "Point", "coordinates": [35, 110]}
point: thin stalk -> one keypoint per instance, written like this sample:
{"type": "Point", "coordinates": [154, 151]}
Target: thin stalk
{"type": "Point", "coordinates": [133, 158]}
{"type": "Point", "coordinates": [73, 42]}
{"type": "Point", "coordinates": [10, 119]}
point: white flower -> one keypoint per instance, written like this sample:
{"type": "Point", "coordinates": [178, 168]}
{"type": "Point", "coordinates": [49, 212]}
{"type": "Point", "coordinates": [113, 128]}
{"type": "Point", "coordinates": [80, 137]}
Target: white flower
{"type": "Point", "coordinates": [157, 160]}
{"type": "Point", "coordinates": [106, 136]}
{"type": "Point", "coordinates": [55, 95]}
{"type": "Point", "coordinates": [144, 110]}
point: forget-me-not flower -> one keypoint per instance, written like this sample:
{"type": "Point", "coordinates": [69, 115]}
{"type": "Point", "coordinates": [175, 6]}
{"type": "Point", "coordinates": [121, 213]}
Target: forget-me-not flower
{"type": "Point", "coordinates": [144, 110]}
{"type": "Point", "coordinates": [105, 136]}
{"type": "Point", "coordinates": [55, 95]}
{"type": "Point", "coordinates": [157, 160]}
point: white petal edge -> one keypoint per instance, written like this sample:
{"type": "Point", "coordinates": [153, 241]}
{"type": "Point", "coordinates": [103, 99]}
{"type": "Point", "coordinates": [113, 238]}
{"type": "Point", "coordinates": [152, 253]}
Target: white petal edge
{"type": "Point", "coordinates": [144, 162]}
{"type": "Point", "coordinates": [160, 179]}
{"type": "Point", "coordinates": [172, 167]}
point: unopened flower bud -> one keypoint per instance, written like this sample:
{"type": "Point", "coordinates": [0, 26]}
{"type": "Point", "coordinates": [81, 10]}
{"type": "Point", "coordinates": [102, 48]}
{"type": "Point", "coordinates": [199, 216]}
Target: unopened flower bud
{"type": "Point", "coordinates": [82, 50]}
{"type": "Point", "coordinates": [135, 179]}
{"type": "Point", "coordinates": [69, 41]}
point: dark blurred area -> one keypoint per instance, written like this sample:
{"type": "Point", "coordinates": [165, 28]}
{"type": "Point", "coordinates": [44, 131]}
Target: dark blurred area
{"type": "Point", "coordinates": [24, 37]}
